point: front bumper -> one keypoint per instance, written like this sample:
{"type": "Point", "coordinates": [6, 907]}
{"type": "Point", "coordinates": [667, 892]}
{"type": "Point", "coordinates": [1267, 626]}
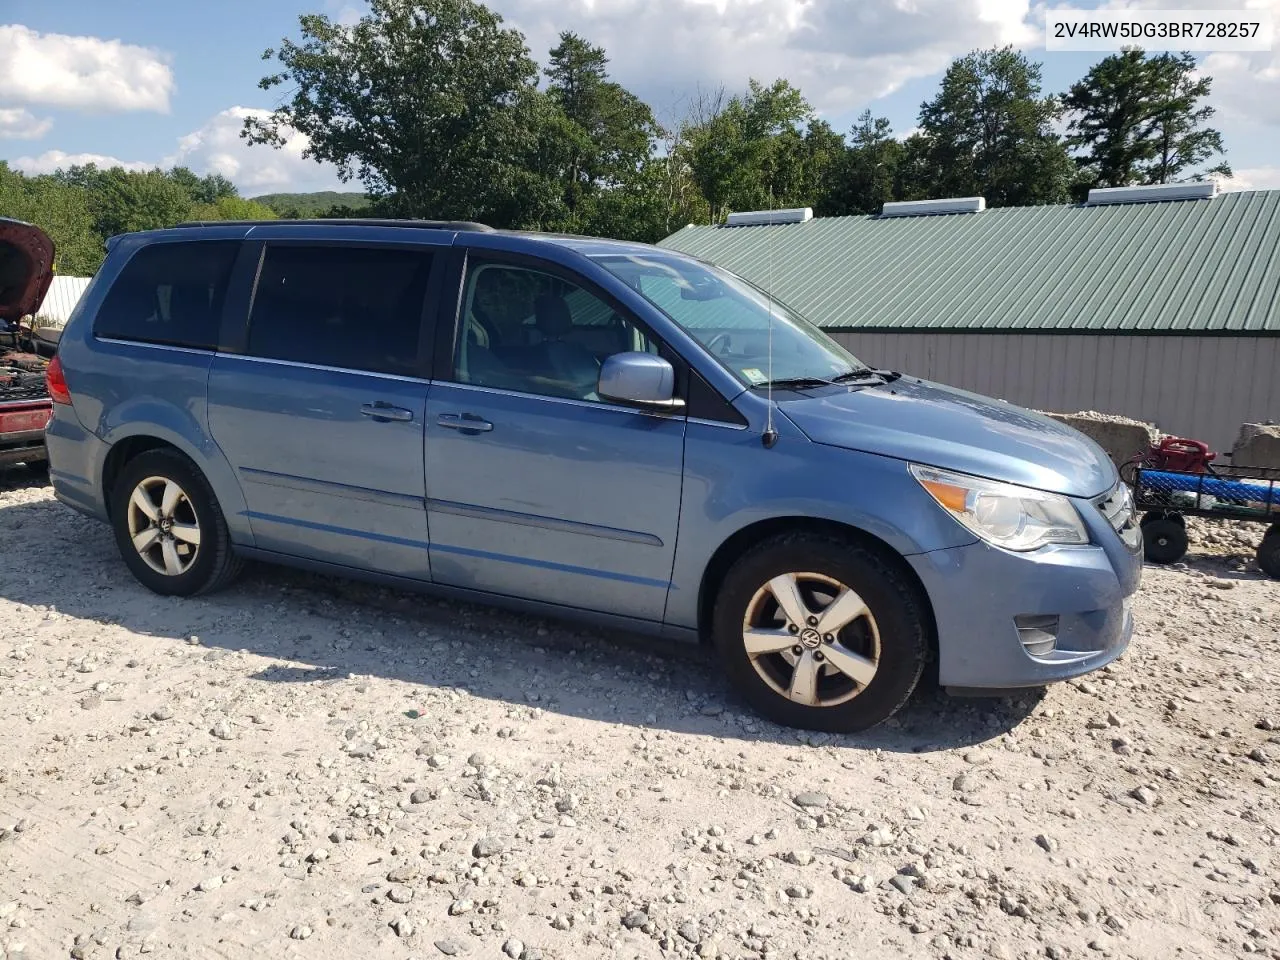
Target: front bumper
{"type": "Point", "coordinates": [981, 594]}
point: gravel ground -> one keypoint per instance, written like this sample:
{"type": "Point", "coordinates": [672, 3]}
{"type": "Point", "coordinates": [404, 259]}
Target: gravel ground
{"type": "Point", "coordinates": [313, 768]}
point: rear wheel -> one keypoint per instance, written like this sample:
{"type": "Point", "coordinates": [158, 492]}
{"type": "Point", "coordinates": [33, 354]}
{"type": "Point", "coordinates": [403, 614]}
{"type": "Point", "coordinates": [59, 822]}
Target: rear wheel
{"type": "Point", "coordinates": [1177, 518]}
{"type": "Point", "coordinates": [820, 634]}
{"type": "Point", "coordinates": [168, 526]}
{"type": "Point", "coordinates": [1165, 540]}
{"type": "Point", "coordinates": [1269, 552]}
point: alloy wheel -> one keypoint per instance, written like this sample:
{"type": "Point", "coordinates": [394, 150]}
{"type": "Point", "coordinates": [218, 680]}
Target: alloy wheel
{"type": "Point", "coordinates": [812, 639]}
{"type": "Point", "coordinates": [163, 526]}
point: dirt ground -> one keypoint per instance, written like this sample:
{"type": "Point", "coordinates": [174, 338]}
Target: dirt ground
{"type": "Point", "coordinates": [313, 768]}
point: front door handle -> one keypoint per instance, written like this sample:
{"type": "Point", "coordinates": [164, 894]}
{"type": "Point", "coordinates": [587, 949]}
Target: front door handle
{"type": "Point", "coordinates": [383, 411]}
{"type": "Point", "coordinates": [466, 422]}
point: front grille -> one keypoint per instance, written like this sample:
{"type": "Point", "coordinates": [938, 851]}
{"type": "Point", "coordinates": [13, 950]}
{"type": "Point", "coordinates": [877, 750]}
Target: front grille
{"type": "Point", "coordinates": [1117, 508]}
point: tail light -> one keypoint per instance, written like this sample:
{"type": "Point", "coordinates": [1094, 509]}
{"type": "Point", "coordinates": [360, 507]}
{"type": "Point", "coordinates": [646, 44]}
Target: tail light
{"type": "Point", "coordinates": [56, 382]}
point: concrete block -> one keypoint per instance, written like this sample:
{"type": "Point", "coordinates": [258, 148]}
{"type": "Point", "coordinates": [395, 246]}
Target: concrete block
{"type": "Point", "coordinates": [1257, 446]}
{"type": "Point", "coordinates": [1119, 436]}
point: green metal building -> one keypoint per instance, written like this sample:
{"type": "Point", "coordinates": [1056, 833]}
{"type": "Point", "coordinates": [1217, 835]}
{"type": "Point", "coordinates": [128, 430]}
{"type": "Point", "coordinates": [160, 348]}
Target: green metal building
{"type": "Point", "coordinates": [1159, 303]}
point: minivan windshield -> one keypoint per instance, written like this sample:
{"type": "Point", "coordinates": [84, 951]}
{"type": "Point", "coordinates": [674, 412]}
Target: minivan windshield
{"type": "Point", "coordinates": [735, 322]}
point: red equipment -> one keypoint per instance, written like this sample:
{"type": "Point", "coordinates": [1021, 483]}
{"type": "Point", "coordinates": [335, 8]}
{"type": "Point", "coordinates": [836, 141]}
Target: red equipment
{"type": "Point", "coordinates": [1172, 453]}
{"type": "Point", "coordinates": [1180, 455]}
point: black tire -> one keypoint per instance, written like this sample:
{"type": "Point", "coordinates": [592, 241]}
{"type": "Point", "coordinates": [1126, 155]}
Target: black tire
{"type": "Point", "coordinates": [899, 612]}
{"type": "Point", "coordinates": [1177, 518]}
{"type": "Point", "coordinates": [214, 565]}
{"type": "Point", "coordinates": [1164, 540]}
{"type": "Point", "coordinates": [1269, 552]}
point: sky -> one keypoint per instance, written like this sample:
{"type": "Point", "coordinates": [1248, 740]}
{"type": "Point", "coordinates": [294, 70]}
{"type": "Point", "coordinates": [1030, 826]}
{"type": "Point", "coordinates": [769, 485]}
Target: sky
{"type": "Point", "coordinates": [163, 82]}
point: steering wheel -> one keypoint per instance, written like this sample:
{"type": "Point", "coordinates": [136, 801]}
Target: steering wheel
{"type": "Point", "coordinates": [713, 343]}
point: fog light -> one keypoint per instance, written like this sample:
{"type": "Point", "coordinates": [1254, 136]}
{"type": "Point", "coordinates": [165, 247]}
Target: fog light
{"type": "Point", "coordinates": [1038, 633]}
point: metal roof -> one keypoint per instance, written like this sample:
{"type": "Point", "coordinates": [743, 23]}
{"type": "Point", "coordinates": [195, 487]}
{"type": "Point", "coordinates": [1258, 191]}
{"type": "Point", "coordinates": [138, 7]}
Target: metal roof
{"type": "Point", "coordinates": [1177, 267]}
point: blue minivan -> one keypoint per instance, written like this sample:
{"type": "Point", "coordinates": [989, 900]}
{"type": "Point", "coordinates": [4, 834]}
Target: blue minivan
{"type": "Point", "coordinates": [590, 428]}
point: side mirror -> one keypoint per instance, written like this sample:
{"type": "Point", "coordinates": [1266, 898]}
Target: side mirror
{"type": "Point", "coordinates": [639, 379]}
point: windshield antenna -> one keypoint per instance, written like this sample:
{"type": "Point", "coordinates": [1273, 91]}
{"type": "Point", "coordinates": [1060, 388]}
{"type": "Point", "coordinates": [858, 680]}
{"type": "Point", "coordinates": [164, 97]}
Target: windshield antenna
{"type": "Point", "coordinates": [770, 435]}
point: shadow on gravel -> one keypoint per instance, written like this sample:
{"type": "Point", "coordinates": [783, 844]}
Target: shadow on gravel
{"type": "Point", "coordinates": [24, 476]}
{"type": "Point", "coordinates": [326, 630]}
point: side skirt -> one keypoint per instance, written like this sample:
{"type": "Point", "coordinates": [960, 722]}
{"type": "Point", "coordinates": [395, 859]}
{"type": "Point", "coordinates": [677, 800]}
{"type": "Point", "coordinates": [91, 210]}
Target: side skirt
{"type": "Point", "coordinates": [538, 608]}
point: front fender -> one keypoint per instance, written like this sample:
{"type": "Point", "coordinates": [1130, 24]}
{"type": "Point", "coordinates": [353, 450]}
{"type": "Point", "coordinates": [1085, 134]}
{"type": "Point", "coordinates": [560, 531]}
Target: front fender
{"type": "Point", "coordinates": [732, 481]}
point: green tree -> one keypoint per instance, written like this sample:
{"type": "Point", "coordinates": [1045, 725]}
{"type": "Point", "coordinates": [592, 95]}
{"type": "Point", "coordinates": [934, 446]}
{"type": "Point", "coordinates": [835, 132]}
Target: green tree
{"type": "Point", "coordinates": [867, 173]}
{"type": "Point", "coordinates": [989, 133]}
{"type": "Point", "coordinates": [1140, 119]}
{"type": "Point", "coordinates": [609, 132]}
{"type": "Point", "coordinates": [124, 201]}
{"type": "Point", "coordinates": [232, 208]}
{"type": "Point", "coordinates": [432, 104]}
{"type": "Point", "coordinates": [61, 211]}
{"type": "Point", "coordinates": [207, 189]}
{"type": "Point", "coordinates": [762, 150]}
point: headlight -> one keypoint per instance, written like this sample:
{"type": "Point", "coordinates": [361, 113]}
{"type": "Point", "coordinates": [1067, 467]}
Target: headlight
{"type": "Point", "coordinates": [1009, 516]}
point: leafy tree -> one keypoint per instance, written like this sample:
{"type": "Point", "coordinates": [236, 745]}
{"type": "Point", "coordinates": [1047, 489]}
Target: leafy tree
{"type": "Point", "coordinates": [124, 201]}
{"type": "Point", "coordinates": [207, 189]}
{"type": "Point", "coordinates": [61, 211]}
{"type": "Point", "coordinates": [989, 133]}
{"type": "Point", "coordinates": [300, 205]}
{"type": "Point", "coordinates": [608, 132]}
{"type": "Point", "coordinates": [232, 208]}
{"type": "Point", "coordinates": [759, 151]}
{"type": "Point", "coordinates": [1139, 119]}
{"type": "Point", "coordinates": [432, 104]}
{"type": "Point", "coordinates": [866, 175]}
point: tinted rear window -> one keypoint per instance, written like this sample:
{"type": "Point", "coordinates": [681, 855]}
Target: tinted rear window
{"type": "Point", "coordinates": [170, 293]}
{"type": "Point", "coordinates": [355, 307]}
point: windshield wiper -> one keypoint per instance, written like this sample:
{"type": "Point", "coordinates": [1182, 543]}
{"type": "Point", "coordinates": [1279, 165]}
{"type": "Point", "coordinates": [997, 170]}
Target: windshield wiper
{"type": "Point", "coordinates": [795, 383]}
{"type": "Point", "coordinates": [861, 374]}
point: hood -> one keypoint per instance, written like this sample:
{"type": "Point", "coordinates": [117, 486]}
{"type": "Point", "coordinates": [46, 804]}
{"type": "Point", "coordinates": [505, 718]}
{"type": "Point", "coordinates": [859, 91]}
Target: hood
{"type": "Point", "coordinates": [26, 268]}
{"type": "Point", "coordinates": [940, 426]}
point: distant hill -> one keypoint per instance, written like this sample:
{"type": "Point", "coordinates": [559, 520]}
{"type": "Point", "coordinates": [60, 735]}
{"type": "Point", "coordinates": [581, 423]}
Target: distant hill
{"type": "Point", "coordinates": [311, 204]}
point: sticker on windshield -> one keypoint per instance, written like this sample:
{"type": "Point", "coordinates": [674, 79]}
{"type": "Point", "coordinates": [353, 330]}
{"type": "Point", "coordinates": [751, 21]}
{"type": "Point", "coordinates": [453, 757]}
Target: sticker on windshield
{"type": "Point", "coordinates": [754, 375]}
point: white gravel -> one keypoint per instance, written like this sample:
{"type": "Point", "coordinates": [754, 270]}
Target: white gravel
{"type": "Point", "coordinates": [313, 768]}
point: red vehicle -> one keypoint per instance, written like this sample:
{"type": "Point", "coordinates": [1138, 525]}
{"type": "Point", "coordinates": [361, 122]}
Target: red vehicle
{"type": "Point", "coordinates": [26, 270]}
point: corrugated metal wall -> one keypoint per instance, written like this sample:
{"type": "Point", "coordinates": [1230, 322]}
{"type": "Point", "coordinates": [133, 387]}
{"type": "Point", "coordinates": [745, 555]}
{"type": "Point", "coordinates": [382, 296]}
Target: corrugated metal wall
{"type": "Point", "coordinates": [1200, 387]}
{"type": "Point", "coordinates": [64, 293]}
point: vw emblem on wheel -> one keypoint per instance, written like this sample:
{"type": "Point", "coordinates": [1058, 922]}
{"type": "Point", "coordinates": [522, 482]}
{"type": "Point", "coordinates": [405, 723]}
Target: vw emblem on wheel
{"type": "Point", "coordinates": [810, 639]}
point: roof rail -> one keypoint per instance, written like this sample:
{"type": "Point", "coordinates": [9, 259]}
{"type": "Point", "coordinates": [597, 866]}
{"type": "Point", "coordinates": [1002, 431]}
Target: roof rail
{"type": "Point", "coordinates": [460, 226]}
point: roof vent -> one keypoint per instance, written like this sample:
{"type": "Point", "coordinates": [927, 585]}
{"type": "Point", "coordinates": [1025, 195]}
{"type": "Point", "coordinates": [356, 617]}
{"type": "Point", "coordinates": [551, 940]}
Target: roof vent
{"type": "Point", "coordinates": [1149, 194]}
{"type": "Point", "coordinates": [925, 208]}
{"type": "Point", "coordinates": [760, 218]}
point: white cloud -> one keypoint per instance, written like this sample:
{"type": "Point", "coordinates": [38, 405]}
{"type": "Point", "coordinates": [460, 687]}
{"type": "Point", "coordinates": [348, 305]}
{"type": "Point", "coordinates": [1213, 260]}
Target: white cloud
{"type": "Point", "coordinates": [85, 73]}
{"type": "Point", "coordinates": [839, 53]}
{"type": "Point", "coordinates": [19, 124]}
{"type": "Point", "coordinates": [52, 160]}
{"type": "Point", "coordinates": [217, 147]}
{"type": "Point", "coordinates": [1246, 86]}
{"type": "Point", "coordinates": [1252, 178]}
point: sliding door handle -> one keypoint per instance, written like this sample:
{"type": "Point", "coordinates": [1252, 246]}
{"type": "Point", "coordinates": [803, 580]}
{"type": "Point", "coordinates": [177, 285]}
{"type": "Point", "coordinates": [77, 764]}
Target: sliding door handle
{"type": "Point", "coordinates": [383, 411]}
{"type": "Point", "coordinates": [466, 422]}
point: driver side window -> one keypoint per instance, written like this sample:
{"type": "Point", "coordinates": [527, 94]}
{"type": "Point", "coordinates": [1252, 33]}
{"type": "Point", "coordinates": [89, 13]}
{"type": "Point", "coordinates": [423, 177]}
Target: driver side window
{"type": "Point", "coordinates": [530, 331]}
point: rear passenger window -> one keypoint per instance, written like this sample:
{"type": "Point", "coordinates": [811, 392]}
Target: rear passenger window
{"type": "Point", "coordinates": [170, 293]}
{"type": "Point", "coordinates": [342, 306]}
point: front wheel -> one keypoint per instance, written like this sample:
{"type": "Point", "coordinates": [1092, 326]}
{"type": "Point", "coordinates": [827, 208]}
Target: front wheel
{"type": "Point", "coordinates": [820, 634]}
{"type": "Point", "coordinates": [168, 526]}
